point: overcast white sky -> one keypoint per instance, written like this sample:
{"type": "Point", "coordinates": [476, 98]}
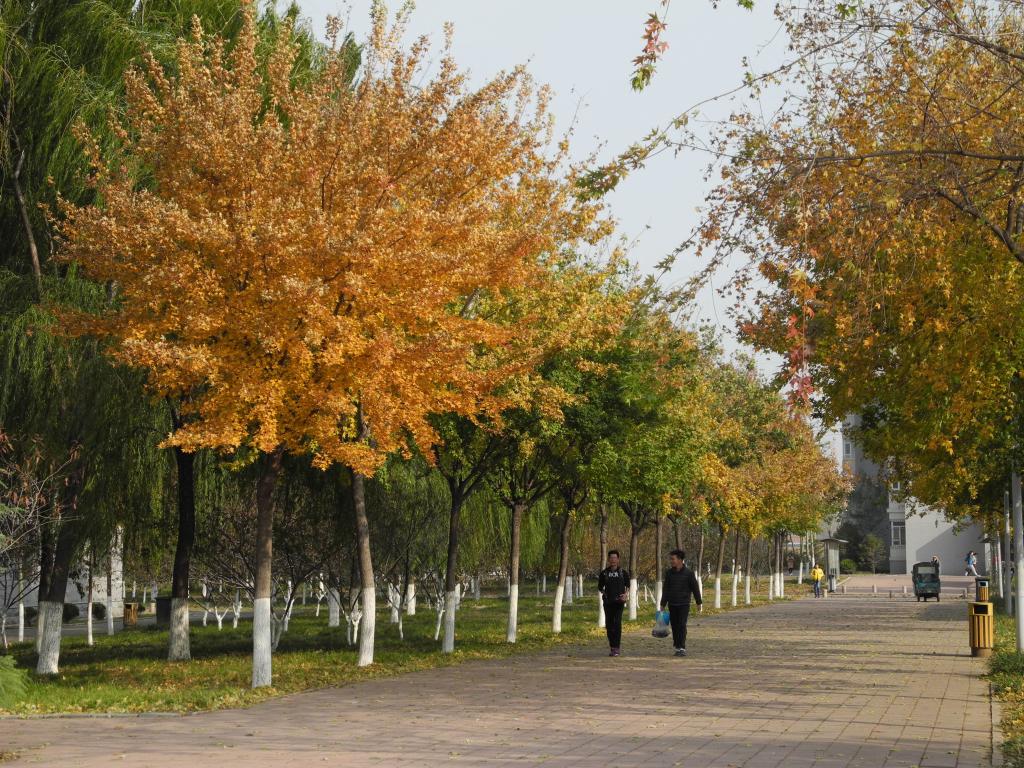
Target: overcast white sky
{"type": "Point", "coordinates": [583, 49]}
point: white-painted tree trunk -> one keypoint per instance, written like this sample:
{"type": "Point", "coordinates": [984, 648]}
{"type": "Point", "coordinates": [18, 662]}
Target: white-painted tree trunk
{"type": "Point", "coordinates": [782, 583]}
{"type": "Point", "coordinates": [735, 585]}
{"type": "Point", "coordinates": [579, 581]}
{"type": "Point", "coordinates": [633, 597]}
{"type": "Point", "coordinates": [746, 588]}
{"type": "Point", "coordinates": [368, 628]}
{"type": "Point", "coordinates": [21, 621]}
{"type": "Point", "coordinates": [178, 646]}
{"type": "Point", "coordinates": [51, 617]}
{"type": "Point", "coordinates": [513, 614]}
{"type": "Point", "coordinates": [88, 608]}
{"type": "Point", "coordinates": [659, 586]}
{"type": "Point", "coordinates": [262, 643]}
{"type": "Point", "coordinates": [476, 587]}
{"type": "Point", "coordinates": [333, 608]}
{"type": "Point", "coordinates": [544, 583]}
{"type": "Point", "coordinates": [600, 612]}
{"type": "Point", "coordinates": [556, 615]}
{"type": "Point", "coordinates": [567, 591]}
{"type": "Point", "coordinates": [451, 601]}
{"type": "Point", "coordinates": [439, 609]}
{"type": "Point", "coordinates": [771, 587]}
{"type": "Point", "coordinates": [800, 572]}
{"type": "Point", "coordinates": [236, 609]}
{"type": "Point", "coordinates": [393, 601]}
{"type": "Point", "coordinates": [410, 598]}
{"type": "Point", "coordinates": [458, 596]}
{"type": "Point", "coordinates": [718, 591]}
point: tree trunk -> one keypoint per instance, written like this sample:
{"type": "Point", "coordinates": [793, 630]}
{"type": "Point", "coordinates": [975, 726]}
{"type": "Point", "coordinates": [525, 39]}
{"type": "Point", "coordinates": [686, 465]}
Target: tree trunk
{"type": "Point", "coordinates": [634, 560]}
{"type": "Point", "coordinates": [659, 563]}
{"type": "Point", "coordinates": [770, 552]}
{"type": "Point", "coordinates": [110, 588]}
{"type": "Point", "coordinates": [451, 572]}
{"type": "Point", "coordinates": [178, 638]}
{"type": "Point", "coordinates": [33, 249]}
{"type": "Point", "coordinates": [746, 571]}
{"type": "Point", "coordinates": [563, 569]}
{"type": "Point", "coordinates": [262, 632]}
{"type": "Point", "coordinates": [735, 565]}
{"type": "Point", "coordinates": [518, 508]}
{"type": "Point", "coordinates": [88, 603]}
{"type": "Point", "coordinates": [677, 528]}
{"type": "Point", "coordinates": [718, 566]}
{"type": "Point", "coordinates": [51, 605]}
{"type": "Point", "coordinates": [333, 608]}
{"type": "Point", "coordinates": [46, 553]}
{"type": "Point", "coordinates": [21, 604]}
{"type": "Point", "coordinates": [367, 586]}
{"type": "Point", "coordinates": [604, 559]}
{"type": "Point", "coordinates": [700, 556]}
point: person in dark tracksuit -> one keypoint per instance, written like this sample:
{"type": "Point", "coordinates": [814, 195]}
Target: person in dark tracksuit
{"type": "Point", "coordinates": [613, 584]}
{"type": "Point", "coordinates": [680, 585]}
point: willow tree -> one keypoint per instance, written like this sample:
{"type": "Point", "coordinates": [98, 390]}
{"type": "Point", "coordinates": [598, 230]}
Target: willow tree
{"type": "Point", "coordinates": [305, 254]}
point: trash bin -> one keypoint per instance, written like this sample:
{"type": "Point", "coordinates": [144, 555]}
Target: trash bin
{"type": "Point", "coordinates": [131, 614]}
{"type": "Point", "coordinates": [163, 612]}
{"type": "Point", "coordinates": [981, 589]}
{"type": "Point", "coordinates": [981, 628]}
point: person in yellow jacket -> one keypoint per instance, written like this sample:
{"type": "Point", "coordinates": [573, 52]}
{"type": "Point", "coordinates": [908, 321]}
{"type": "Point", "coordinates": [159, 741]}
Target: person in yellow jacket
{"type": "Point", "coordinates": [816, 576]}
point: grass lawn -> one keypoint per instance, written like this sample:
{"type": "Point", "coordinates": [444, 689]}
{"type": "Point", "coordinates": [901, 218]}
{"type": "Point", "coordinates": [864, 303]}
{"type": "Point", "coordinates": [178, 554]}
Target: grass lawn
{"type": "Point", "coordinates": [128, 672]}
{"type": "Point", "coordinates": [1007, 676]}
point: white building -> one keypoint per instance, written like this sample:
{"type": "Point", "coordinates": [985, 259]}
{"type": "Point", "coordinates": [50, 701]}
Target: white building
{"type": "Point", "coordinates": [912, 532]}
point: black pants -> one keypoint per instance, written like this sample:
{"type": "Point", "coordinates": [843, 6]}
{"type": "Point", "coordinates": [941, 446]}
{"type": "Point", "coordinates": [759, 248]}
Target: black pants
{"type": "Point", "coordinates": [613, 623]}
{"type": "Point", "coordinates": [678, 614]}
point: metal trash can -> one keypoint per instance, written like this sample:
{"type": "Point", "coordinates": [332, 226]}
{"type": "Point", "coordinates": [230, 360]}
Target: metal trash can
{"type": "Point", "coordinates": [981, 589]}
{"type": "Point", "coordinates": [131, 614]}
{"type": "Point", "coordinates": [981, 628]}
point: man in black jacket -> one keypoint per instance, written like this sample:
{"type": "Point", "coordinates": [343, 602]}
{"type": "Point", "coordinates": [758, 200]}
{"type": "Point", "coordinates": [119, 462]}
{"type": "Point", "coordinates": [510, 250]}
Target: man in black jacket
{"type": "Point", "coordinates": [680, 585]}
{"type": "Point", "coordinates": [613, 584]}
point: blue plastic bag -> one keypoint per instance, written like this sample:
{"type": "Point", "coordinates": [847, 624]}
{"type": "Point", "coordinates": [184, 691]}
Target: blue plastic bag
{"type": "Point", "coordinates": [661, 621]}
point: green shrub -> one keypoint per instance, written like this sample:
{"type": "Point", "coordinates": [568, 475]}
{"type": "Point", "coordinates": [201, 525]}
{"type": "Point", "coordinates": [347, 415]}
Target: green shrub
{"type": "Point", "coordinates": [12, 681]}
{"type": "Point", "coordinates": [846, 565]}
{"type": "Point", "coordinates": [71, 612]}
{"type": "Point", "coordinates": [99, 611]}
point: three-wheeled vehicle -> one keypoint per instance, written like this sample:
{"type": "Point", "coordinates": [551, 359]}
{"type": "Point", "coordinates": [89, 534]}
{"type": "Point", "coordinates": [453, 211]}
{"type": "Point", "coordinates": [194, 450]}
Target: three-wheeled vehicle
{"type": "Point", "coordinates": [926, 581]}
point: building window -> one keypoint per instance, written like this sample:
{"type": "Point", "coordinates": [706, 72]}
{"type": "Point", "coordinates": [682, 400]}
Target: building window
{"type": "Point", "coordinates": [899, 534]}
{"type": "Point", "coordinates": [847, 449]}
{"type": "Point", "coordinates": [895, 486]}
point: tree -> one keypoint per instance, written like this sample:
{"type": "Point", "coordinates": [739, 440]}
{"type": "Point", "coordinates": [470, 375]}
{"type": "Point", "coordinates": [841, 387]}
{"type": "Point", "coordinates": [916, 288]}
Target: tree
{"type": "Point", "coordinates": [872, 551]}
{"type": "Point", "coordinates": [310, 278]}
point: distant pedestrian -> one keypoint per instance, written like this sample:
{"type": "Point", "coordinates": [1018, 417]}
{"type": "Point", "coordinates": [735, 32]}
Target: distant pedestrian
{"type": "Point", "coordinates": [937, 563]}
{"type": "Point", "coordinates": [972, 564]}
{"type": "Point", "coordinates": [613, 584]}
{"type": "Point", "coordinates": [790, 564]}
{"type": "Point", "coordinates": [680, 586]}
{"type": "Point", "coordinates": [817, 575]}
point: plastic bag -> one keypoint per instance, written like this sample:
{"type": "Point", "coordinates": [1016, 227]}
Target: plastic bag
{"type": "Point", "coordinates": [660, 624]}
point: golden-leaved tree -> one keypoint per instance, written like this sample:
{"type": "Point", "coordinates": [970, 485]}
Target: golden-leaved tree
{"type": "Point", "coordinates": [304, 255]}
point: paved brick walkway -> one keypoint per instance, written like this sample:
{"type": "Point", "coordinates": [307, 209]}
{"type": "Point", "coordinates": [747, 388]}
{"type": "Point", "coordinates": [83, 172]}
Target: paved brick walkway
{"type": "Point", "coordinates": [829, 683]}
